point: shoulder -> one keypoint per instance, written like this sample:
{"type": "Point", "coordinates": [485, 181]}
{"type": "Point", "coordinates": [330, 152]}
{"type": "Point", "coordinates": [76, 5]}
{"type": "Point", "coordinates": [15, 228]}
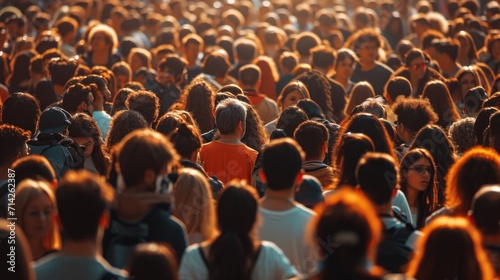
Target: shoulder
{"type": "Point", "coordinates": [383, 68]}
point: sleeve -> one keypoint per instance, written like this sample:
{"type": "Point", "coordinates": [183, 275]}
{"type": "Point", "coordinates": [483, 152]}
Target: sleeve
{"type": "Point", "coordinates": [400, 202]}
{"type": "Point", "coordinates": [282, 266]}
{"type": "Point", "coordinates": [189, 264]}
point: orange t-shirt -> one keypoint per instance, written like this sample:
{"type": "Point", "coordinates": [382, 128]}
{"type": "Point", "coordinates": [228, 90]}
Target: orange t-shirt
{"type": "Point", "coordinates": [228, 161]}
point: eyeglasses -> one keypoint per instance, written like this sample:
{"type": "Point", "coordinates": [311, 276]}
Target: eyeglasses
{"type": "Point", "coordinates": [421, 170]}
{"type": "Point", "coordinates": [419, 65]}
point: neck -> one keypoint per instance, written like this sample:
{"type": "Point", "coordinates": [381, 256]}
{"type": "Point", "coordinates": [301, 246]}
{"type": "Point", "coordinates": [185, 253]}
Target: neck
{"type": "Point", "coordinates": [411, 196]}
{"type": "Point", "coordinates": [230, 138]}
{"type": "Point", "coordinates": [321, 70]}
{"type": "Point", "coordinates": [84, 248]}
{"type": "Point", "coordinates": [59, 90]}
{"type": "Point", "coordinates": [278, 200]}
{"type": "Point", "coordinates": [98, 105]}
{"type": "Point", "coordinates": [37, 249]}
{"type": "Point", "coordinates": [448, 66]}
{"type": "Point", "coordinates": [342, 80]}
{"type": "Point", "coordinates": [367, 65]}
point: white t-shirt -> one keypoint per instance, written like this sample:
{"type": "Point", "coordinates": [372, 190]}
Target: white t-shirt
{"type": "Point", "coordinates": [287, 230]}
{"type": "Point", "coordinates": [271, 264]}
{"type": "Point", "coordinates": [402, 204]}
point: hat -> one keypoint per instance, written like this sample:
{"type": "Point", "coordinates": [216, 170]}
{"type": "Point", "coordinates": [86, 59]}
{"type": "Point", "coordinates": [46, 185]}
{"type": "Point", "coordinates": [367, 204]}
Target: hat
{"type": "Point", "coordinates": [54, 120]}
{"type": "Point", "coordinates": [309, 193]}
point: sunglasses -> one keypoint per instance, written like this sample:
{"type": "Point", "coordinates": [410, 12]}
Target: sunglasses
{"type": "Point", "coordinates": [419, 65]}
{"type": "Point", "coordinates": [421, 170]}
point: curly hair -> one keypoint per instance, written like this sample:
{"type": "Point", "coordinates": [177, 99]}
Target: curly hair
{"type": "Point", "coordinates": [319, 89]}
{"type": "Point", "coordinates": [123, 123]}
{"type": "Point", "coordinates": [199, 98]}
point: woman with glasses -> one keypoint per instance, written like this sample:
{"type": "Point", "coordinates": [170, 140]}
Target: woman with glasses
{"type": "Point", "coordinates": [417, 72]}
{"type": "Point", "coordinates": [418, 183]}
{"type": "Point", "coordinates": [35, 211]}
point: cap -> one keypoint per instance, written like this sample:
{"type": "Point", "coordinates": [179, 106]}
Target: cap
{"type": "Point", "coordinates": [310, 192]}
{"type": "Point", "coordinates": [54, 120]}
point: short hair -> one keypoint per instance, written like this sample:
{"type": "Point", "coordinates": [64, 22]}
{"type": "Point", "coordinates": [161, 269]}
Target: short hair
{"type": "Point", "coordinates": [228, 114]}
{"type": "Point", "coordinates": [216, 64]}
{"type": "Point", "coordinates": [397, 86]}
{"type": "Point", "coordinates": [75, 95]}
{"type": "Point", "coordinates": [35, 167]}
{"type": "Point", "coordinates": [245, 49]}
{"type": "Point", "coordinates": [175, 63]}
{"type": "Point", "coordinates": [12, 141]}
{"type": "Point", "coordinates": [485, 209]}
{"type": "Point", "coordinates": [304, 42]}
{"type": "Point", "coordinates": [281, 162]}
{"type": "Point", "coordinates": [377, 176]}
{"type": "Point", "coordinates": [473, 100]}
{"type": "Point", "coordinates": [366, 35]}
{"type": "Point", "coordinates": [149, 150]}
{"type": "Point", "coordinates": [151, 260]}
{"type": "Point", "coordinates": [288, 60]}
{"type": "Point", "coordinates": [82, 198]}
{"type": "Point", "coordinates": [144, 102]}
{"type": "Point", "coordinates": [192, 39]}
{"type": "Point", "coordinates": [62, 70]}
{"type": "Point", "coordinates": [446, 46]}
{"type": "Point", "coordinates": [25, 103]}
{"type": "Point", "coordinates": [249, 75]}
{"type": "Point", "coordinates": [311, 136]}
{"type": "Point", "coordinates": [414, 113]}
{"type": "Point", "coordinates": [66, 25]}
{"type": "Point", "coordinates": [323, 57]}
{"type": "Point", "coordinates": [290, 119]}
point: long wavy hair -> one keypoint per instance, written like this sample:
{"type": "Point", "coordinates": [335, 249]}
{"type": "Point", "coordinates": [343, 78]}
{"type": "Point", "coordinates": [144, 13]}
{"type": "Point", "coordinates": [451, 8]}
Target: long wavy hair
{"type": "Point", "coordinates": [199, 98]}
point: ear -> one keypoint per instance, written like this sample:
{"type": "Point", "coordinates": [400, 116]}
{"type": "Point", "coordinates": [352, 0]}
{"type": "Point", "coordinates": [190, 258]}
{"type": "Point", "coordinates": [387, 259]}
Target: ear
{"type": "Point", "coordinates": [262, 175]}
{"type": "Point", "coordinates": [470, 217]}
{"type": "Point", "coordinates": [149, 177]}
{"type": "Point", "coordinates": [324, 149]}
{"type": "Point", "coordinates": [394, 192]}
{"type": "Point", "coordinates": [104, 220]}
{"type": "Point", "coordinates": [299, 177]}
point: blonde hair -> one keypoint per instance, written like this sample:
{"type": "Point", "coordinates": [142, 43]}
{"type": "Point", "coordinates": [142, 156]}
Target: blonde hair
{"type": "Point", "coordinates": [27, 191]}
{"type": "Point", "coordinates": [194, 204]}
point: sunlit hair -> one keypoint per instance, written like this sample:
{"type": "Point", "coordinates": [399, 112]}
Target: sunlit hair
{"type": "Point", "coordinates": [450, 248]}
{"type": "Point", "coordinates": [109, 33]}
{"type": "Point", "coordinates": [477, 167]}
{"type": "Point", "coordinates": [193, 203]}
{"type": "Point", "coordinates": [292, 86]}
{"type": "Point", "coordinates": [440, 98]}
{"type": "Point", "coordinates": [27, 191]}
{"type": "Point", "coordinates": [348, 221]}
{"type": "Point", "coordinates": [153, 261]}
{"type": "Point", "coordinates": [426, 200]}
{"type": "Point", "coordinates": [359, 93]}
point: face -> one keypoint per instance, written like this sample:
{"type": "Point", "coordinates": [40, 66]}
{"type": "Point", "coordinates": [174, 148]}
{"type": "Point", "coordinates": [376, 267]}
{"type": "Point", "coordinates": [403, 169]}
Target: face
{"type": "Point", "coordinates": [88, 143]}
{"type": "Point", "coordinates": [368, 52]}
{"type": "Point", "coordinates": [38, 217]}
{"type": "Point", "coordinates": [166, 76]}
{"type": "Point", "coordinates": [345, 68]}
{"type": "Point", "coordinates": [418, 175]}
{"type": "Point", "coordinates": [292, 98]}
{"type": "Point", "coordinates": [135, 63]}
{"type": "Point", "coordinates": [99, 42]}
{"type": "Point", "coordinates": [418, 68]}
{"type": "Point", "coordinates": [192, 51]}
{"type": "Point", "coordinates": [467, 82]}
{"type": "Point", "coordinates": [122, 80]}
{"type": "Point", "coordinates": [88, 107]}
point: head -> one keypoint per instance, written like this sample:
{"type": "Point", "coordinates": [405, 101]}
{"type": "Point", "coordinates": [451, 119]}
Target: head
{"type": "Point", "coordinates": [245, 50]}
{"type": "Point", "coordinates": [473, 101]}
{"type": "Point", "coordinates": [461, 134]}
{"type": "Point", "coordinates": [12, 144]}
{"type": "Point", "coordinates": [123, 123]}
{"type": "Point", "coordinates": [36, 210]}
{"type": "Point", "coordinates": [447, 242]}
{"type": "Point", "coordinates": [323, 57]}
{"type": "Point", "coordinates": [467, 78]}
{"type": "Point", "coordinates": [249, 76]}
{"type": "Point", "coordinates": [83, 200]}
{"type": "Point", "coordinates": [151, 260]}
{"type": "Point", "coordinates": [477, 167]}
{"type": "Point", "coordinates": [230, 116]}
{"type": "Point", "coordinates": [146, 103]}
{"type": "Point", "coordinates": [312, 136]}
{"type": "Point", "coordinates": [216, 64]}
{"type": "Point", "coordinates": [21, 102]}
{"type": "Point", "coordinates": [123, 73]}
{"type": "Point", "coordinates": [292, 93]}
{"type": "Point", "coordinates": [282, 164]}
{"type": "Point", "coordinates": [304, 42]}
{"type": "Point", "coordinates": [442, 103]}
{"type": "Point", "coordinates": [416, 63]}
{"type": "Point", "coordinates": [346, 60]}
{"type": "Point", "coordinates": [61, 70]}
{"type": "Point", "coordinates": [484, 210]}
{"type": "Point", "coordinates": [103, 38]}
{"type": "Point", "coordinates": [139, 57]}
{"type": "Point", "coordinates": [103, 93]}
{"type": "Point", "coordinates": [378, 177]}
{"type": "Point", "coordinates": [186, 140]}
{"type": "Point", "coordinates": [347, 152]}
{"type": "Point", "coordinates": [193, 203]}
{"type": "Point", "coordinates": [199, 101]}
{"type": "Point", "coordinates": [366, 44]}
{"type": "Point", "coordinates": [171, 69]}
{"type": "Point", "coordinates": [290, 119]}
{"type": "Point", "coordinates": [359, 93]}
{"type": "Point", "coordinates": [79, 98]}
{"type": "Point", "coordinates": [413, 114]}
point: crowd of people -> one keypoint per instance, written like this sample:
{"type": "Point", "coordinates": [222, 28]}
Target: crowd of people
{"type": "Point", "coordinates": [274, 139]}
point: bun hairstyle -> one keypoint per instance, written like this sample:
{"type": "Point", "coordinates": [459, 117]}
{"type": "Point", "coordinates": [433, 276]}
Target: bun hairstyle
{"type": "Point", "coordinates": [186, 139]}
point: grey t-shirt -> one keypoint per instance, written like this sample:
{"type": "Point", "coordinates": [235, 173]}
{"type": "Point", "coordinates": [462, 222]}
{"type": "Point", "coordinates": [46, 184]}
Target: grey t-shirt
{"type": "Point", "coordinates": [63, 267]}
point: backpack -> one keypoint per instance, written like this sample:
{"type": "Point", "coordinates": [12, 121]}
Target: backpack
{"type": "Point", "coordinates": [77, 159]}
{"type": "Point", "coordinates": [123, 239]}
{"type": "Point", "coordinates": [392, 252]}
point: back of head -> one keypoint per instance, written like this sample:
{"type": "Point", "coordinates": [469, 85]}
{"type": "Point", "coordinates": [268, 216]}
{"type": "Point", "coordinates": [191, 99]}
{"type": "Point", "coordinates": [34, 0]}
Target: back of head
{"type": "Point", "coordinates": [485, 209]}
{"type": "Point", "coordinates": [249, 75]}
{"type": "Point", "coordinates": [282, 161]}
{"type": "Point", "coordinates": [311, 136]}
{"type": "Point", "coordinates": [397, 86]}
{"type": "Point", "coordinates": [323, 57]}
{"type": "Point", "coordinates": [21, 102]}
{"type": "Point", "coordinates": [347, 153]}
{"type": "Point", "coordinates": [12, 143]}
{"type": "Point", "coordinates": [150, 151]}
{"type": "Point", "coordinates": [61, 70]}
{"type": "Point", "coordinates": [144, 102]}
{"type": "Point", "coordinates": [245, 49]}
{"type": "Point", "coordinates": [153, 261]}
{"type": "Point", "coordinates": [77, 94]}
{"type": "Point", "coordinates": [349, 222]}
{"type": "Point", "coordinates": [35, 167]}
{"type": "Point", "coordinates": [414, 113]}
{"type": "Point", "coordinates": [377, 176]}
{"type": "Point", "coordinates": [186, 139]}
{"type": "Point", "coordinates": [290, 119]}
{"type": "Point", "coordinates": [123, 123]}
{"type": "Point", "coordinates": [305, 42]}
{"type": "Point", "coordinates": [228, 114]}
{"type": "Point", "coordinates": [82, 198]}
{"type": "Point", "coordinates": [461, 134]}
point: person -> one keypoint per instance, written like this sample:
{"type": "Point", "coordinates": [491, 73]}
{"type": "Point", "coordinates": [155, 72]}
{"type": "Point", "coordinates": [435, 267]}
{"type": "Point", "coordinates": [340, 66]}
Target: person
{"type": "Point", "coordinates": [474, 101]}
{"type": "Point", "coordinates": [144, 198]}
{"type": "Point", "coordinates": [350, 223]}
{"type": "Point", "coordinates": [23, 269]}
{"type": "Point", "coordinates": [84, 130]}
{"type": "Point", "coordinates": [485, 216]}
{"type": "Point", "coordinates": [377, 176]}
{"type": "Point", "coordinates": [82, 203]}
{"type": "Point", "coordinates": [194, 205]}
{"type": "Point", "coordinates": [249, 77]}
{"type": "Point", "coordinates": [53, 143]}
{"type": "Point", "coordinates": [366, 45]}
{"type": "Point", "coordinates": [344, 67]}
{"type": "Point", "coordinates": [101, 96]}
{"type": "Point", "coordinates": [417, 71]}
{"type": "Point", "coordinates": [440, 98]}
{"type": "Point", "coordinates": [461, 134]}
{"type": "Point", "coordinates": [37, 208]}
{"type": "Point", "coordinates": [246, 52]}
{"type": "Point", "coordinates": [123, 123]}
{"type": "Point", "coordinates": [236, 253]}
{"type": "Point", "coordinates": [79, 98]}
{"type": "Point", "coordinates": [412, 115]}
{"type": "Point", "coordinates": [312, 137]}
{"type": "Point", "coordinates": [103, 43]}
{"type": "Point", "coordinates": [199, 99]}
{"type": "Point", "coordinates": [359, 93]}
{"type": "Point", "coordinates": [477, 167]}
{"type": "Point", "coordinates": [146, 103]}
{"type": "Point", "coordinates": [418, 182]}
{"type": "Point", "coordinates": [192, 45]}
{"type": "Point", "coordinates": [281, 170]}
{"type": "Point", "coordinates": [22, 102]}
{"type": "Point", "coordinates": [153, 261]}
{"type": "Point", "coordinates": [446, 54]}
{"type": "Point", "coordinates": [446, 243]}
{"type": "Point", "coordinates": [13, 145]}
{"type": "Point", "coordinates": [228, 158]}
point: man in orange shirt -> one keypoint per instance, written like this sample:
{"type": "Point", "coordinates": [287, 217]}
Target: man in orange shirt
{"type": "Point", "coordinates": [227, 157]}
